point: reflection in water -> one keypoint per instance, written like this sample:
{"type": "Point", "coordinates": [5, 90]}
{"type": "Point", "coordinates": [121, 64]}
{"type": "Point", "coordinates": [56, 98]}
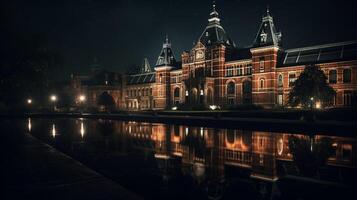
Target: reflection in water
{"type": "Point", "coordinates": [29, 124]}
{"type": "Point", "coordinates": [53, 131]}
{"type": "Point", "coordinates": [82, 130]}
{"type": "Point", "coordinates": [209, 160]}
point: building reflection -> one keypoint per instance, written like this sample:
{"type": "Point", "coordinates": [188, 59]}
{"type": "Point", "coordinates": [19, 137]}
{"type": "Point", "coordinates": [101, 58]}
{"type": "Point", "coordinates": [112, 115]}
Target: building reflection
{"type": "Point", "coordinates": [204, 153]}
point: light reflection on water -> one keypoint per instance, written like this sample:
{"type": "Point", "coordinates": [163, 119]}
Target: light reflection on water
{"type": "Point", "coordinates": [204, 162]}
{"type": "Point", "coordinates": [53, 131]}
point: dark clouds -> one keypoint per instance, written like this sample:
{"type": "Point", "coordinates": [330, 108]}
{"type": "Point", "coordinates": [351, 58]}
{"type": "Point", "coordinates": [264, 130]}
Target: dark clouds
{"type": "Point", "coordinates": [122, 32]}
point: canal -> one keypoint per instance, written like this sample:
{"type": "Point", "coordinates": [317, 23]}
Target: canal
{"type": "Point", "coordinates": [163, 161]}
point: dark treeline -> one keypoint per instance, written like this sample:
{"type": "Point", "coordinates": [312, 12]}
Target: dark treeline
{"type": "Point", "coordinates": [26, 64]}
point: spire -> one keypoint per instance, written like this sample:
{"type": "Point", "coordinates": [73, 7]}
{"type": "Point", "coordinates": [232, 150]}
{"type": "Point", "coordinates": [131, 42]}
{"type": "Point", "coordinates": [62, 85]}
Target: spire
{"type": "Point", "coordinates": [145, 68]}
{"type": "Point", "coordinates": [166, 43]}
{"type": "Point", "coordinates": [214, 33]}
{"type": "Point", "coordinates": [166, 56]}
{"type": "Point", "coordinates": [214, 19]}
{"type": "Point", "coordinates": [267, 34]}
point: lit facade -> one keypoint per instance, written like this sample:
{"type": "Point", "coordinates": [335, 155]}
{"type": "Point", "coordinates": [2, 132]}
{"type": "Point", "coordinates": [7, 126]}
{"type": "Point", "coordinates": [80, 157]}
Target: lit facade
{"type": "Point", "coordinates": [218, 72]}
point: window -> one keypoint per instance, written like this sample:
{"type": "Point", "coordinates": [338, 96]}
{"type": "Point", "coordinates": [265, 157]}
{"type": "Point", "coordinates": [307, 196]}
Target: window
{"type": "Point", "coordinates": [160, 78]}
{"type": "Point", "coordinates": [240, 70]}
{"type": "Point", "coordinates": [261, 83]}
{"type": "Point", "coordinates": [231, 88]}
{"type": "Point", "coordinates": [263, 37]}
{"type": "Point", "coordinates": [230, 101]}
{"type": "Point", "coordinates": [280, 99]}
{"type": "Point", "coordinates": [229, 71]}
{"type": "Point", "coordinates": [249, 69]}
{"type": "Point", "coordinates": [247, 87]}
{"type": "Point", "coordinates": [292, 79]}
{"type": "Point", "coordinates": [280, 80]}
{"type": "Point", "coordinates": [347, 98]}
{"type": "Point", "coordinates": [346, 75]}
{"type": "Point", "coordinates": [177, 92]}
{"type": "Point", "coordinates": [332, 76]}
{"type": "Point", "coordinates": [261, 64]}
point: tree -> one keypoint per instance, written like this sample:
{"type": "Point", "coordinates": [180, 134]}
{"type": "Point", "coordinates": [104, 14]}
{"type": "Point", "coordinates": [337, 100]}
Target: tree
{"type": "Point", "coordinates": [308, 155]}
{"type": "Point", "coordinates": [311, 87]}
{"type": "Point", "coordinates": [105, 100]}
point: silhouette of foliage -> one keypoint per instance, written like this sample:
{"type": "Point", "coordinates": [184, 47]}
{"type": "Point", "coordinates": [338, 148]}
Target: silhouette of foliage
{"type": "Point", "coordinates": [310, 156]}
{"type": "Point", "coordinates": [312, 82]}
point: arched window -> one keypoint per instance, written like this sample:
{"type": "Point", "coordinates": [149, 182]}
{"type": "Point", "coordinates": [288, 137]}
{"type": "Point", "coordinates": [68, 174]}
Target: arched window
{"type": "Point", "coordinates": [261, 83]}
{"type": "Point", "coordinates": [347, 76]}
{"type": "Point", "coordinates": [280, 80]}
{"type": "Point", "coordinates": [332, 76]}
{"type": "Point", "coordinates": [177, 92]}
{"type": "Point", "coordinates": [231, 88]}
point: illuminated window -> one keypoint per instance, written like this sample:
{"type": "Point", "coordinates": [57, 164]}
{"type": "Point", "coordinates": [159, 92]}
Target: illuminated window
{"type": "Point", "coordinates": [230, 71]}
{"type": "Point", "coordinates": [240, 70]}
{"type": "Point", "coordinates": [280, 80]}
{"type": "Point", "coordinates": [261, 64]}
{"type": "Point", "coordinates": [249, 69]}
{"type": "Point", "coordinates": [332, 76]}
{"type": "Point", "coordinates": [292, 79]}
{"type": "Point", "coordinates": [347, 98]}
{"type": "Point", "coordinates": [346, 75]}
{"type": "Point", "coordinates": [261, 83]}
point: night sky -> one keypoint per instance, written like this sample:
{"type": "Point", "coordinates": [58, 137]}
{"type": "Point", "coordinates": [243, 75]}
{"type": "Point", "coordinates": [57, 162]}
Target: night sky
{"type": "Point", "coordinates": [120, 33]}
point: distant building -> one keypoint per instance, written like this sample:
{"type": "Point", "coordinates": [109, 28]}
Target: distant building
{"type": "Point", "coordinates": [218, 72]}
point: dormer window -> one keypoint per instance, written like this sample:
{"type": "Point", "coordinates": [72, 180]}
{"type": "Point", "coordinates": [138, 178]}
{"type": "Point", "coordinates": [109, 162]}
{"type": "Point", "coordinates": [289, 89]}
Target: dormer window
{"type": "Point", "coordinates": [206, 34]}
{"type": "Point", "coordinates": [263, 37]}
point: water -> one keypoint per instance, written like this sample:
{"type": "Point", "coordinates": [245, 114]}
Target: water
{"type": "Point", "coordinates": [161, 161]}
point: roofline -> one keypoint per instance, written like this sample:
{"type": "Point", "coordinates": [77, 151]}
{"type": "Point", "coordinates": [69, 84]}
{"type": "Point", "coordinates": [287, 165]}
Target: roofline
{"type": "Point", "coordinates": [141, 74]}
{"type": "Point", "coordinates": [321, 46]}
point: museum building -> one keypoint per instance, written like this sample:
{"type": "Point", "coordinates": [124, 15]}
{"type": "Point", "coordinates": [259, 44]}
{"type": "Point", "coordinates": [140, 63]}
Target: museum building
{"type": "Point", "coordinates": [217, 72]}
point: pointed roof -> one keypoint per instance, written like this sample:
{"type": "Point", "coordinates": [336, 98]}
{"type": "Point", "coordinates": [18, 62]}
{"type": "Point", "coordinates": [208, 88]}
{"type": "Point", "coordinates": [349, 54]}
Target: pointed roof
{"type": "Point", "coordinates": [214, 33]}
{"type": "Point", "coordinates": [267, 34]}
{"type": "Point", "coordinates": [166, 57]}
{"type": "Point", "coordinates": [145, 67]}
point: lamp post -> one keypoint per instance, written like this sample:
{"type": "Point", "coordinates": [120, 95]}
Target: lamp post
{"type": "Point", "coordinates": [82, 99]}
{"type": "Point", "coordinates": [53, 99]}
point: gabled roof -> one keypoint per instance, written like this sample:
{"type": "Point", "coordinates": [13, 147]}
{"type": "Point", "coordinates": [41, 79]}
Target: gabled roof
{"type": "Point", "coordinates": [214, 33]}
{"type": "Point", "coordinates": [137, 79]}
{"type": "Point", "coordinates": [145, 67]}
{"type": "Point", "coordinates": [267, 34]}
{"type": "Point", "coordinates": [319, 54]}
{"type": "Point", "coordinates": [166, 57]}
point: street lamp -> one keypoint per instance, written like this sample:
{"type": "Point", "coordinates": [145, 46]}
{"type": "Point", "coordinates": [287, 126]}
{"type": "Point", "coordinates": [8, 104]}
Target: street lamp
{"type": "Point", "coordinates": [81, 98]}
{"type": "Point", "coordinates": [53, 98]}
{"type": "Point", "coordinates": [29, 101]}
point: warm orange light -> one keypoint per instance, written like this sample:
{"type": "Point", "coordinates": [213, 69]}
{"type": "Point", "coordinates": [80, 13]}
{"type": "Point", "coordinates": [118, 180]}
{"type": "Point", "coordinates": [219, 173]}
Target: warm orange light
{"type": "Point", "coordinates": [82, 98]}
{"type": "Point", "coordinates": [53, 98]}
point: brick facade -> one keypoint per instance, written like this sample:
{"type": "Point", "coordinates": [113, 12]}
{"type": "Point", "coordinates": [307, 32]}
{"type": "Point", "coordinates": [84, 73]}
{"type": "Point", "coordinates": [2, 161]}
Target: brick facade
{"type": "Point", "coordinates": [217, 72]}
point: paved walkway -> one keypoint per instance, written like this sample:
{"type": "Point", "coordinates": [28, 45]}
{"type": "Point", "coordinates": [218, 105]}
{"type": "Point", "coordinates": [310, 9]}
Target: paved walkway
{"type": "Point", "coordinates": [31, 169]}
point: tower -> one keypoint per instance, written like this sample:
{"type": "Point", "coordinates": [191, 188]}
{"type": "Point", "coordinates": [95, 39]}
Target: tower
{"type": "Point", "coordinates": [265, 51]}
{"type": "Point", "coordinates": [164, 64]}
